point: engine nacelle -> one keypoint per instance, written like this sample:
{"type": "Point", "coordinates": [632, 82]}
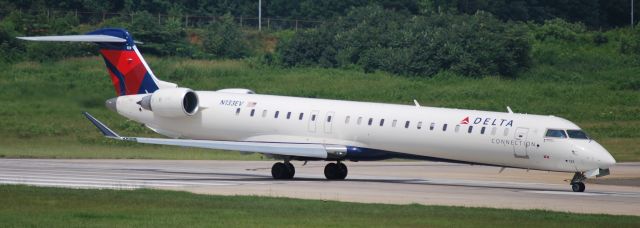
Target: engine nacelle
{"type": "Point", "coordinates": [172, 102]}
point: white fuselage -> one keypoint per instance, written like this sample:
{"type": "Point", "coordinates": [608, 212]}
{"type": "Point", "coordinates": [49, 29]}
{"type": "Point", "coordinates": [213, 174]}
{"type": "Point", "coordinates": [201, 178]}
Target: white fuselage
{"type": "Point", "coordinates": [492, 138]}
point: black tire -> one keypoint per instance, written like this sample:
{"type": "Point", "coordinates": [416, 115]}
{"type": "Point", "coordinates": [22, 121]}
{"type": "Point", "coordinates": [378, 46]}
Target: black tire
{"type": "Point", "coordinates": [330, 171]}
{"type": "Point", "coordinates": [291, 170]}
{"type": "Point", "coordinates": [342, 171]}
{"type": "Point", "coordinates": [578, 187]}
{"type": "Point", "coordinates": [279, 171]}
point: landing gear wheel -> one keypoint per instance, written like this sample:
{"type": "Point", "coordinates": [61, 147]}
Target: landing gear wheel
{"type": "Point", "coordinates": [343, 171]}
{"type": "Point", "coordinates": [577, 187]}
{"type": "Point", "coordinates": [335, 171]}
{"type": "Point", "coordinates": [280, 171]}
{"type": "Point", "coordinates": [291, 171]}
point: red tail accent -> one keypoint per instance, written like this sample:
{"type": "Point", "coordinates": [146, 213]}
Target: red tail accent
{"type": "Point", "coordinates": [129, 66]}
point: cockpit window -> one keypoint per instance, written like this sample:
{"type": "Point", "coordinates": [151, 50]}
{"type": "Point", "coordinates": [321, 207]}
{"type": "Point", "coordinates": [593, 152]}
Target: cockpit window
{"type": "Point", "coordinates": [555, 133]}
{"type": "Point", "coordinates": [577, 134]}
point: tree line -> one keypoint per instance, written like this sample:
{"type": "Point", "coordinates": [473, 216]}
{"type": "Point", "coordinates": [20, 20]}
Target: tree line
{"type": "Point", "coordinates": [420, 39]}
{"type": "Point", "coordinates": [592, 13]}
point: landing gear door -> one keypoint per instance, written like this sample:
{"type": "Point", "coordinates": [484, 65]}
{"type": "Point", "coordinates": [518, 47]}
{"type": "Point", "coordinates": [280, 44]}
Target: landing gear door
{"type": "Point", "coordinates": [520, 148]}
{"type": "Point", "coordinates": [313, 119]}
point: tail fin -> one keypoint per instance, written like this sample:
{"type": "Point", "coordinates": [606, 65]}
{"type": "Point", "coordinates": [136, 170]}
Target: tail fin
{"type": "Point", "coordinates": [128, 70]}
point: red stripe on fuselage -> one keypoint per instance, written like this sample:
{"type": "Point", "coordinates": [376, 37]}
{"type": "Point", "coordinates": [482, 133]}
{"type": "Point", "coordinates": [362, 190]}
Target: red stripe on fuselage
{"type": "Point", "coordinates": [129, 65]}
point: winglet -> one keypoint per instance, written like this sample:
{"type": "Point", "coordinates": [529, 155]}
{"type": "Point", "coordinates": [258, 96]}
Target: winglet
{"type": "Point", "coordinates": [103, 128]}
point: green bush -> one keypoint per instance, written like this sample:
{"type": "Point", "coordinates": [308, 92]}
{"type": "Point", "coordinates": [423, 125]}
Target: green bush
{"type": "Point", "coordinates": [11, 50]}
{"type": "Point", "coordinates": [223, 39]}
{"type": "Point", "coordinates": [558, 29]}
{"type": "Point", "coordinates": [168, 38]}
{"type": "Point", "coordinates": [630, 42]}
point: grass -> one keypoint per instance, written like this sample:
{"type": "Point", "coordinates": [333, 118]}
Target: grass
{"type": "Point", "coordinates": [594, 86]}
{"type": "Point", "coordinates": [24, 206]}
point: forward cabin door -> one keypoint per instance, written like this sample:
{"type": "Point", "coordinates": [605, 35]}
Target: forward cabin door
{"type": "Point", "coordinates": [313, 119]}
{"type": "Point", "coordinates": [520, 148]}
{"type": "Point", "coordinates": [328, 122]}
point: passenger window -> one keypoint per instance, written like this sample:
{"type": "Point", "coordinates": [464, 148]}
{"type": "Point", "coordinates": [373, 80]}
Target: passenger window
{"type": "Point", "coordinates": [313, 117]}
{"type": "Point", "coordinates": [433, 125]}
{"type": "Point", "coordinates": [381, 122]}
{"type": "Point", "coordinates": [506, 131]}
{"type": "Point", "coordinates": [346, 120]}
{"type": "Point", "coordinates": [457, 128]}
{"type": "Point", "coordinates": [328, 119]}
{"type": "Point", "coordinates": [288, 115]}
{"type": "Point", "coordinates": [359, 120]}
{"type": "Point", "coordinates": [493, 131]}
{"type": "Point", "coordinates": [406, 124]}
{"type": "Point", "coordinates": [394, 123]}
{"type": "Point", "coordinates": [253, 111]}
{"type": "Point", "coordinates": [577, 134]}
{"type": "Point", "coordinates": [419, 125]}
{"type": "Point", "coordinates": [276, 115]}
{"type": "Point", "coordinates": [237, 111]}
{"type": "Point", "coordinates": [470, 129]}
{"type": "Point", "coordinates": [264, 113]}
{"type": "Point", "coordinates": [444, 127]}
{"type": "Point", "coordinates": [482, 130]}
{"type": "Point", "coordinates": [555, 133]}
{"type": "Point", "coordinates": [370, 121]}
{"type": "Point", "coordinates": [301, 115]}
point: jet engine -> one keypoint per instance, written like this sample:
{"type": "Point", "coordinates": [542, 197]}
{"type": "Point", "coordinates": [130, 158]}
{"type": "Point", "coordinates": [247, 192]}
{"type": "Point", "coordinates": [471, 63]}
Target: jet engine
{"type": "Point", "coordinates": [171, 102]}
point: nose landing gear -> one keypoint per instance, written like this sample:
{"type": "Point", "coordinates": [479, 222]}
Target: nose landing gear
{"type": "Point", "coordinates": [577, 187]}
{"type": "Point", "coordinates": [577, 184]}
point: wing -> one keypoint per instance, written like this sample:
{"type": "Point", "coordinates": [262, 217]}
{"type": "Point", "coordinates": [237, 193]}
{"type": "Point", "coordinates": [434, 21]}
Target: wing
{"type": "Point", "coordinates": [320, 151]}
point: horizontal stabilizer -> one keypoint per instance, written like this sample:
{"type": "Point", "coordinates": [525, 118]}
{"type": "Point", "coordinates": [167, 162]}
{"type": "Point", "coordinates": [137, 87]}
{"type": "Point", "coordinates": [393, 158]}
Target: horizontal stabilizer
{"type": "Point", "coordinates": [76, 38]}
{"type": "Point", "coordinates": [103, 128]}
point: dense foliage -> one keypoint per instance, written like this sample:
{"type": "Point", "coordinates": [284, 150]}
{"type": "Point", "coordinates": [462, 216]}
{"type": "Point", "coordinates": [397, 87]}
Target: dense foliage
{"type": "Point", "coordinates": [379, 39]}
{"type": "Point", "coordinates": [409, 37]}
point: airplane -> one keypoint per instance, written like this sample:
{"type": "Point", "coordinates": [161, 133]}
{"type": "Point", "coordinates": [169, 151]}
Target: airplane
{"type": "Point", "coordinates": [308, 129]}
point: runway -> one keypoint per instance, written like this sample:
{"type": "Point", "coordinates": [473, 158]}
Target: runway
{"type": "Point", "coordinates": [429, 183]}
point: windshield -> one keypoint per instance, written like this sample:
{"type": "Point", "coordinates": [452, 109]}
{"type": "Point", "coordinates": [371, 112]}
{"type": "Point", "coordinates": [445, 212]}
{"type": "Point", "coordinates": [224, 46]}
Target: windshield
{"type": "Point", "coordinates": [577, 134]}
{"type": "Point", "coordinates": [555, 133]}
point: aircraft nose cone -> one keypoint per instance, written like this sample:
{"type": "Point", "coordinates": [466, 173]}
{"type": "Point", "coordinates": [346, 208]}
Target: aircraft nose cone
{"type": "Point", "coordinates": [111, 104]}
{"type": "Point", "coordinates": [609, 160]}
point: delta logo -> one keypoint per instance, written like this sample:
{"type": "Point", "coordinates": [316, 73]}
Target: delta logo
{"type": "Point", "coordinates": [488, 121]}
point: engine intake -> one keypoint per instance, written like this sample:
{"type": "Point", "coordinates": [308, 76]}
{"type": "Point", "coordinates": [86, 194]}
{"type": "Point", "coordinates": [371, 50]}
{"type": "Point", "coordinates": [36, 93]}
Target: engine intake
{"type": "Point", "coordinates": [171, 102]}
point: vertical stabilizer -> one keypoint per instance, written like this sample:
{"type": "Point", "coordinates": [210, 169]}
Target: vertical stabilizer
{"type": "Point", "coordinates": [129, 72]}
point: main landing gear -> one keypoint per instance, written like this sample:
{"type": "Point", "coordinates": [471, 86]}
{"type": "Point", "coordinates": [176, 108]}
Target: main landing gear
{"type": "Point", "coordinates": [335, 171]}
{"type": "Point", "coordinates": [576, 182]}
{"type": "Point", "coordinates": [285, 170]}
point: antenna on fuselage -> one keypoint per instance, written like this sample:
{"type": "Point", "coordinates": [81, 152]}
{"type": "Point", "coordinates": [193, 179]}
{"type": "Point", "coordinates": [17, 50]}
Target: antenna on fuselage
{"type": "Point", "coordinates": [509, 110]}
{"type": "Point", "coordinates": [416, 103]}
